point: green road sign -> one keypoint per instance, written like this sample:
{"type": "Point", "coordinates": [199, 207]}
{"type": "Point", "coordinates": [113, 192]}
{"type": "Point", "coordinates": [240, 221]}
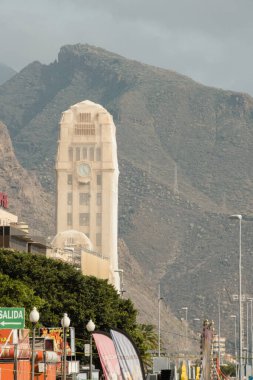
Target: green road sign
{"type": "Point", "coordinates": [12, 317]}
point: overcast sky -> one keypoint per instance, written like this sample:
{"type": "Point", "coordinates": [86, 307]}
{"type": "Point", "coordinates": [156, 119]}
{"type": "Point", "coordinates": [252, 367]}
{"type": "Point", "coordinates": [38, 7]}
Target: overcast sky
{"type": "Point", "coordinates": [208, 40]}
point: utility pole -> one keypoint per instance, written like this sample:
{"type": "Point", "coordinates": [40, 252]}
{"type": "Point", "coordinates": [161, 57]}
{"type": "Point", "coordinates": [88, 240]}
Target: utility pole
{"type": "Point", "coordinates": [185, 308]}
{"type": "Point", "coordinates": [159, 319]}
{"type": "Point", "coordinates": [247, 332]}
{"type": "Point", "coordinates": [251, 333]}
{"type": "Point", "coordinates": [239, 218]}
{"type": "Point", "coordinates": [219, 356]}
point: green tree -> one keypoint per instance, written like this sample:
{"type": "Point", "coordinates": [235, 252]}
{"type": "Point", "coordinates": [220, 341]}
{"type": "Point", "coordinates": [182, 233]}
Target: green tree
{"type": "Point", "coordinates": [65, 289]}
{"type": "Point", "coordinates": [228, 369]}
{"type": "Point", "coordinates": [14, 293]}
{"type": "Point", "coordinates": [56, 287]}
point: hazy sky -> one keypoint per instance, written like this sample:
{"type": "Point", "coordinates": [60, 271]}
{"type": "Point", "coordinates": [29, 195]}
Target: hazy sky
{"type": "Point", "coordinates": [208, 40]}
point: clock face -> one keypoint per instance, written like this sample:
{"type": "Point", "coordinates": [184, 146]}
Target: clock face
{"type": "Point", "coordinates": [83, 170]}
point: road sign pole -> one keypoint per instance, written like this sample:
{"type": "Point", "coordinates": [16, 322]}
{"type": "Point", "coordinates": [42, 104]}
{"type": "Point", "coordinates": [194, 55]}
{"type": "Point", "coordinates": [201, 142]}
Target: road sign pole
{"type": "Point", "coordinates": [15, 362]}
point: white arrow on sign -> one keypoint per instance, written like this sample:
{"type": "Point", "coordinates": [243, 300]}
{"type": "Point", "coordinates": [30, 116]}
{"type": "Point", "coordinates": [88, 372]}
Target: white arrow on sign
{"type": "Point", "coordinates": [10, 323]}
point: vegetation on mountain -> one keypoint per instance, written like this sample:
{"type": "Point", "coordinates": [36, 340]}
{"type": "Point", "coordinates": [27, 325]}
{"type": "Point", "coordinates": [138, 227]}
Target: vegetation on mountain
{"type": "Point", "coordinates": [55, 287]}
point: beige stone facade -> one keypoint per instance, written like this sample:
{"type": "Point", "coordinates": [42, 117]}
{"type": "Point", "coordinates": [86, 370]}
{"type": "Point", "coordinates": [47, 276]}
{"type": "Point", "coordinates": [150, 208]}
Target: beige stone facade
{"type": "Point", "coordinates": [6, 218]}
{"type": "Point", "coordinates": [87, 185]}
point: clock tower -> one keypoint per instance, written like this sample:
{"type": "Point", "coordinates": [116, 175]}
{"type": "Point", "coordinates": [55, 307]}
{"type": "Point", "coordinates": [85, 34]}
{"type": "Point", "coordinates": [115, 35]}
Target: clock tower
{"type": "Point", "coordinates": [87, 184]}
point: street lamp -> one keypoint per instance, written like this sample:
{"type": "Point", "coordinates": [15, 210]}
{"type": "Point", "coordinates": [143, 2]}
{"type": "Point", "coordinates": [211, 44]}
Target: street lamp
{"type": "Point", "coordinates": [90, 327]}
{"type": "Point", "coordinates": [121, 279]}
{"type": "Point", "coordinates": [234, 317]}
{"type": "Point", "coordinates": [34, 318]}
{"type": "Point", "coordinates": [219, 332]}
{"type": "Point", "coordinates": [65, 322]}
{"type": "Point", "coordinates": [239, 217]}
{"type": "Point", "coordinates": [251, 331]}
{"type": "Point", "coordinates": [247, 332]}
{"type": "Point", "coordinates": [186, 326]}
{"type": "Point", "coordinates": [159, 319]}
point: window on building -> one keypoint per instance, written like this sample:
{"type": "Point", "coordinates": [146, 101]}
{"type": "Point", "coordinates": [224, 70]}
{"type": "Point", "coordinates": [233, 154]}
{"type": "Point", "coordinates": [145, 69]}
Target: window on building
{"type": "Point", "coordinates": [69, 219]}
{"type": "Point", "coordinates": [84, 198]}
{"type": "Point", "coordinates": [98, 154]}
{"type": "Point", "coordinates": [85, 129]}
{"type": "Point", "coordinates": [84, 187]}
{"type": "Point", "coordinates": [84, 153]}
{"type": "Point", "coordinates": [84, 117]}
{"type": "Point", "coordinates": [69, 199]}
{"type": "Point", "coordinates": [84, 219]}
{"type": "Point", "coordinates": [99, 179]}
{"type": "Point", "coordinates": [91, 154]}
{"type": "Point", "coordinates": [70, 154]}
{"type": "Point", "coordinates": [69, 179]}
{"type": "Point", "coordinates": [98, 219]}
{"type": "Point", "coordinates": [99, 199]}
{"type": "Point", "coordinates": [77, 154]}
{"type": "Point", "coordinates": [98, 239]}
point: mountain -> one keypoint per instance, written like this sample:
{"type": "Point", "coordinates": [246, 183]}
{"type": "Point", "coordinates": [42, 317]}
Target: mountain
{"type": "Point", "coordinates": [185, 156]}
{"type": "Point", "coordinates": [26, 197]}
{"type": "Point", "coordinates": [6, 73]}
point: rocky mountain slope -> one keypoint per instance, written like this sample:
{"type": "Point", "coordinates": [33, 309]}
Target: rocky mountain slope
{"type": "Point", "coordinates": [185, 155]}
{"type": "Point", "coordinates": [26, 197]}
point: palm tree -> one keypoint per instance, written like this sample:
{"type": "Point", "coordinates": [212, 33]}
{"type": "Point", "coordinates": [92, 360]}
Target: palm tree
{"type": "Point", "coordinates": [147, 341]}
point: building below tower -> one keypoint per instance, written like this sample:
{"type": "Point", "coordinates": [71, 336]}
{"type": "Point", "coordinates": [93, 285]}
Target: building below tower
{"type": "Point", "coordinates": [16, 235]}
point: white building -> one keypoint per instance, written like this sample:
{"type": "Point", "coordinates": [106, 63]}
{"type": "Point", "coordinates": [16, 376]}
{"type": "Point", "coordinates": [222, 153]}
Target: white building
{"type": "Point", "coordinates": [6, 218]}
{"type": "Point", "coordinates": [15, 234]}
{"type": "Point", "coordinates": [87, 186]}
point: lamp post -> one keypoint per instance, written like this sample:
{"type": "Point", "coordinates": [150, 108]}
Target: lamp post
{"type": "Point", "coordinates": [219, 355]}
{"type": "Point", "coordinates": [239, 217]}
{"type": "Point", "coordinates": [186, 326]}
{"type": "Point", "coordinates": [251, 331]}
{"type": "Point", "coordinates": [65, 322]}
{"type": "Point", "coordinates": [90, 327]}
{"type": "Point", "coordinates": [159, 319]}
{"type": "Point", "coordinates": [234, 317]}
{"type": "Point", "coordinates": [34, 318]}
{"type": "Point", "coordinates": [247, 332]}
{"type": "Point", "coordinates": [121, 281]}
